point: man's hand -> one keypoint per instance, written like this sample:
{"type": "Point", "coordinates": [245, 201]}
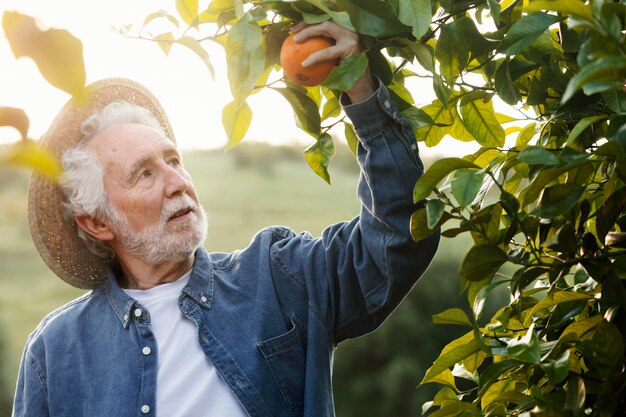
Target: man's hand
{"type": "Point", "coordinates": [346, 45]}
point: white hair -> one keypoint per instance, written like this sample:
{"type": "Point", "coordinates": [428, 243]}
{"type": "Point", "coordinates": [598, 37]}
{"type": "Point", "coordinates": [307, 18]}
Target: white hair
{"type": "Point", "coordinates": [83, 175]}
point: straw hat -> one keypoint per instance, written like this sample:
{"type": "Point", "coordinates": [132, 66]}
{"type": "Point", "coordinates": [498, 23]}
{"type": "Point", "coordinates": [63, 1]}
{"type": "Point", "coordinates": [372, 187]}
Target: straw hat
{"type": "Point", "coordinates": [56, 239]}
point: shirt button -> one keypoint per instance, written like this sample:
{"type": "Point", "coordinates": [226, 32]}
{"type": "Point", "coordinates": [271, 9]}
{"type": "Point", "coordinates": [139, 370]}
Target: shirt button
{"type": "Point", "coordinates": [125, 317]}
{"type": "Point", "coordinates": [146, 350]}
{"type": "Point", "coordinates": [145, 409]}
{"type": "Point", "coordinates": [387, 104]}
{"type": "Point", "coordinates": [414, 146]}
{"type": "Point", "coordinates": [137, 312]}
{"type": "Point", "coordinates": [203, 299]}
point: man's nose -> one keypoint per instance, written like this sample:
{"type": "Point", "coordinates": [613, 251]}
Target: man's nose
{"type": "Point", "coordinates": [175, 181]}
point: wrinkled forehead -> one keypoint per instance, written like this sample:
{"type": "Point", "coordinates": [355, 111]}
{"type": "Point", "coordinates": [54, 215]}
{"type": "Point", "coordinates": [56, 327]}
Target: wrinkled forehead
{"type": "Point", "coordinates": [124, 144]}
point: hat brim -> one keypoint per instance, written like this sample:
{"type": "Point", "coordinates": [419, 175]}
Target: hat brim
{"type": "Point", "coordinates": [54, 236]}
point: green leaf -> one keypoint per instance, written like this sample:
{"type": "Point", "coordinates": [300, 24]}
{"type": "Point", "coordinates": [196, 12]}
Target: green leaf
{"type": "Point", "coordinates": [443, 120]}
{"type": "Point", "coordinates": [245, 56]}
{"type": "Point", "coordinates": [611, 210]}
{"type": "Point", "coordinates": [563, 240]}
{"type": "Point", "coordinates": [446, 121]}
{"type": "Point", "coordinates": [505, 88]}
{"type": "Point", "coordinates": [14, 117]}
{"type": "Point", "coordinates": [576, 393]}
{"type": "Point", "coordinates": [495, 8]}
{"type": "Point", "coordinates": [372, 17]}
{"type": "Point", "coordinates": [492, 373]}
{"type": "Point", "coordinates": [445, 378]}
{"type": "Point", "coordinates": [558, 297]}
{"type": "Point", "coordinates": [319, 155]}
{"type": "Point", "coordinates": [417, 14]}
{"type": "Point", "coordinates": [482, 262]}
{"type": "Point", "coordinates": [305, 110]}
{"type": "Point", "coordinates": [437, 172]}
{"type": "Point", "coordinates": [557, 369]}
{"type": "Point", "coordinates": [581, 328]}
{"type": "Point", "coordinates": [580, 127]}
{"type": "Point", "coordinates": [434, 212]}
{"type": "Point", "coordinates": [452, 56]}
{"type": "Point", "coordinates": [615, 100]}
{"type": "Point", "coordinates": [26, 153]}
{"type": "Point", "coordinates": [537, 155]}
{"type": "Point", "coordinates": [195, 46]}
{"type": "Point", "coordinates": [607, 349]}
{"type": "Point", "coordinates": [569, 8]}
{"type": "Point", "coordinates": [343, 76]}
{"type": "Point", "coordinates": [455, 408]}
{"type": "Point", "coordinates": [526, 134]}
{"type": "Point", "coordinates": [57, 53]}
{"type": "Point", "coordinates": [417, 118]}
{"type": "Point", "coordinates": [236, 118]}
{"type": "Point", "coordinates": [498, 391]}
{"type": "Point", "coordinates": [331, 108]}
{"type": "Point", "coordinates": [480, 120]}
{"type": "Point", "coordinates": [441, 91]}
{"type": "Point", "coordinates": [423, 53]}
{"type": "Point", "coordinates": [351, 137]}
{"type": "Point", "coordinates": [452, 316]}
{"type": "Point", "coordinates": [340, 17]}
{"type": "Point", "coordinates": [418, 225]}
{"type": "Point", "coordinates": [525, 31]}
{"type": "Point", "coordinates": [465, 185]}
{"type": "Point", "coordinates": [160, 14]}
{"type": "Point", "coordinates": [606, 68]}
{"type": "Point", "coordinates": [546, 176]}
{"type": "Point", "coordinates": [481, 297]}
{"type": "Point", "coordinates": [165, 41]}
{"type": "Point", "coordinates": [188, 10]}
{"type": "Point", "coordinates": [454, 352]}
{"type": "Point", "coordinates": [558, 199]}
{"type": "Point", "coordinates": [526, 349]}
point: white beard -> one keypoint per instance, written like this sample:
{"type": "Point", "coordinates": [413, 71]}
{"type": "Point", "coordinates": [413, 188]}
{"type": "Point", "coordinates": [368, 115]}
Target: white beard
{"type": "Point", "coordinates": [162, 242]}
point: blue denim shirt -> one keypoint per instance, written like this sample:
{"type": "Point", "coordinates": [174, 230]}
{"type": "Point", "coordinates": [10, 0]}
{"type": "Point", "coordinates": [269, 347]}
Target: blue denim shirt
{"type": "Point", "coordinates": [269, 316]}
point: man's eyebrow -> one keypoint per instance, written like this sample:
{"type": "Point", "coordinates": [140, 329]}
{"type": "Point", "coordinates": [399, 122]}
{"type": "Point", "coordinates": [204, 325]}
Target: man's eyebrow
{"type": "Point", "coordinates": [135, 168]}
{"type": "Point", "coordinates": [169, 150]}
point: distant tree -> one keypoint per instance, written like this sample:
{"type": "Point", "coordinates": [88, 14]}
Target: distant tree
{"type": "Point", "coordinates": [543, 198]}
{"type": "Point", "coordinates": [376, 375]}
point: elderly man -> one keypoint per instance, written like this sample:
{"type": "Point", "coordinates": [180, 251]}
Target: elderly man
{"type": "Point", "coordinates": [172, 330]}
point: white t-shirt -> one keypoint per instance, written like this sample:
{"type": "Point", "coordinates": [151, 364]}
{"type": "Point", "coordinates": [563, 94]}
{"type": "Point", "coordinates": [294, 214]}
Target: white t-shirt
{"type": "Point", "coordinates": [188, 385]}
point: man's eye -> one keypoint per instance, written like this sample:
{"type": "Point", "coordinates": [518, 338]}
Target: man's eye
{"type": "Point", "coordinates": [145, 174]}
{"type": "Point", "coordinates": [175, 162]}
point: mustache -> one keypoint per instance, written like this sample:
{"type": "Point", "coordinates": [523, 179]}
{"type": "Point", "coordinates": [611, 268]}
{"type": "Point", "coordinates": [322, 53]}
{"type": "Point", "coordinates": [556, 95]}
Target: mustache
{"type": "Point", "coordinates": [182, 203]}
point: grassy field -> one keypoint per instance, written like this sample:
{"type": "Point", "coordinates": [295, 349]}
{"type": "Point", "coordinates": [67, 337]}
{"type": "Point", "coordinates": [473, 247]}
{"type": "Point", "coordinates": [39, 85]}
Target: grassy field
{"type": "Point", "coordinates": [244, 190]}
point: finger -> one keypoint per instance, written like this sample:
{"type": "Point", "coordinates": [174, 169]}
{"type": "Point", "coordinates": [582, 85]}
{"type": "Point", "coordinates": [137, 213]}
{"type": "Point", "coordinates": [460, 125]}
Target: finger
{"type": "Point", "coordinates": [326, 54]}
{"type": "Point", "coordinates": [299, 26]}
{"type": "Point", "coordinates": [327, 29]}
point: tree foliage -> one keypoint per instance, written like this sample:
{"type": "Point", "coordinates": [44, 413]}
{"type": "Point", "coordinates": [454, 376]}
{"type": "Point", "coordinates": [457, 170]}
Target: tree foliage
{"type": "Point", "coordinates": [543, 199]}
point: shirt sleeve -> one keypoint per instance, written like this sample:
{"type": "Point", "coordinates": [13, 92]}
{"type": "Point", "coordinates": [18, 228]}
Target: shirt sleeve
{"type": "Point", "coordinates": [31, 397]}
{"type": "Point", "coordinates": [357, 273]}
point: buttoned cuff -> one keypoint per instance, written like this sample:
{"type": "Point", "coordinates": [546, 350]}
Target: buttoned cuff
{"type": "Point", "coordinates": [370, 114]}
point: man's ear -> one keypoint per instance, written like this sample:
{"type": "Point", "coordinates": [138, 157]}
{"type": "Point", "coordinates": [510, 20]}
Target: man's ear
{"type": "Point", "coordinates": [94, 227]}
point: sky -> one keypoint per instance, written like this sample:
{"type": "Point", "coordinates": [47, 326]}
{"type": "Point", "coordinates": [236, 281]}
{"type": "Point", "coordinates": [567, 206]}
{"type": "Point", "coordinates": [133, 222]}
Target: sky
{"type": "Point", "coordinates": [191, 98]}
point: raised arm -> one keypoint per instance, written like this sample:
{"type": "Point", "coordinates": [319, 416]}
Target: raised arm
{"type": "Point", "coordinates": [359, 271]}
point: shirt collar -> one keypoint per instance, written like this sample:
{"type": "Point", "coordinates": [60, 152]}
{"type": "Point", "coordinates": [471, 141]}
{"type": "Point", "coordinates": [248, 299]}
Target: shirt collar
{"type": "Point", "coordinates": [199, 288]}
{"type": "Point", "coordinates": [200, 285]}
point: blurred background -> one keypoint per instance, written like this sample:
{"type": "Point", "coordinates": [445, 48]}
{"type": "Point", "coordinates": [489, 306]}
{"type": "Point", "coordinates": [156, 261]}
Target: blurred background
{"type": "Point", "coordinates": [250, 187]}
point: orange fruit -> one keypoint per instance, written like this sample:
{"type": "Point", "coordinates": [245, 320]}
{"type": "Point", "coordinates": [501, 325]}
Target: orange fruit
{"type": "Point", "coordinates": [292, 54]}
